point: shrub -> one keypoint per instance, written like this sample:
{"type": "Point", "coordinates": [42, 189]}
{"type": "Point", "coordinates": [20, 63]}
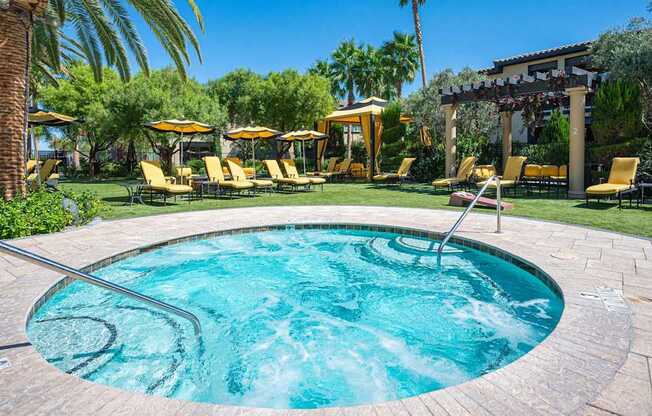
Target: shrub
{"type": "Point", "coordinates": [359, 152]}
{"type": "Point", "coordinates": [556, 129]}
{"type": "Point", "coordinates": [43, 212]}
{"type": "Point", "coordinates": [477, 146]}
{"type": "Point", "coordinates": [604, 154]}
{"type": "Point", "coordinates": [617, 112]}
{"type": "Point", "coordinates": [394, 147]}
{"type": "Point", "coordinates": [197, 166]}
{"type": "Point", "coordinates": [545, 154]}
{"type": "Point", "coordinates": [429, 164]}
{"type": "Point", "coordinates": [645, 168]}
{"type": "Point", "coordinates": [113, 170]}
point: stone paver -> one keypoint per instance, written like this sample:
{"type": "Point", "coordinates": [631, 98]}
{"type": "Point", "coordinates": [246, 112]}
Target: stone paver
{"type": "Point", "coordinates": [596, 362]}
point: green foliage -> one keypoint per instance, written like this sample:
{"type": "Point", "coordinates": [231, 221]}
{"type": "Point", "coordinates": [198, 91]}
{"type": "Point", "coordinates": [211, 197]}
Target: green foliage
{"type": "Point", "coordinates": [477, 146]}
{"type": "Point", "coordinates": [545, 154]}
{"type": "Point", "coordinates": [400, 60]}
{"type": "Point", "coordinates": [645, 168]}
{"type": "Point", "coordinates": [605, 153]}
{"type": "Point", "coordinates": [292, 101]}
{"type": "Point", "coordinates": [616, 112]}
{"type": "Point", "coordinates": [113, 170]}
{"type": "Point", "coordinates": [240, 93]}
{"type": "Point", "coordinates": [344, 65]}
{"type": "Point", "coordinates": [626, 53]}
{"type": "Point", "coordinates": [394, 146]}
{"type": "Point", "coordinates": [556, 129]}
{"type": "Point", "coordinates": [85, 29]}
{"type": "Point", "coordinates": [197, 166]}
{"type": "Point", "coordinates": [359, 152]}
{"type": "Point", "coordinates": [43, 212]}
{"type": "Point", "coordinates": [429, 163]}
{"type": "Point", "coordinates": [473, 119]}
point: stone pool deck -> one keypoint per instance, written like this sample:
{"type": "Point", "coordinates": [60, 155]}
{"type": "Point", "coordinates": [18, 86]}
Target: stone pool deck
{"type": "Point", "coordinates": [596, 362]}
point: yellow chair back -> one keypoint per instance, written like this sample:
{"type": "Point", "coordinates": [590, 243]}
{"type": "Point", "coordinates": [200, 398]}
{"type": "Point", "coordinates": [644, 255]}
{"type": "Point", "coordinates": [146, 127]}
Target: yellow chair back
{"type": "Point", "coordinates": [345, 166]}
{"type": "Point", "coordinates": [237, 173]}
{"type": "Point", "coordinates": [406, 164]}
{"type": "Point", "coordinates": [549, 170]}
{"type": "Point", "coordinates": [152, 172]}
{"type": "Point", "coordinates": [47, 169]}
{"type": "Point", "coordinates": [332, 164]}
{"type": "Point", "coordinates": [290, 169]}
{"type": "Point", "coordinates": [213, 168]}
{"type": "Point", "coordinates": [484, 171]}
{"type": "Point", "coordinates": [466, 167]}
{"type": "Point", "coordinates": [30, 166]}
{"type": "Point", "coordinates": [273, 169]}
{"type": "Point", "coordinates": [514, 167]}
{"type": "Point", "coordinates": [623, 170]}
{"type": "Point", "coordinates": [563, 171]}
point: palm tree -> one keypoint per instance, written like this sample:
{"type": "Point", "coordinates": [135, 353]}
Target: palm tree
{"type": "Point", "coordinates": [401, 59]}
{"type": "Point", "coordinates": [35, 37]}
{"type": "Point", "coordinates": [323, 68]}
{"type": "Point", "coordinates": [419, 33]}
{"type": "Point", "coordinates": [345, 65]}
{"type": "Point", "coordinates": [370, 73]}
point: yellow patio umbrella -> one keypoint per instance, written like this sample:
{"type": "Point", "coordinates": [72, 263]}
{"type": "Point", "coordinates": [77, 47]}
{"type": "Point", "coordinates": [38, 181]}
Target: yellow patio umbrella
{"type": "Point", "coordinates": [303, 136]}
{"type": "Point", "coordinates": [181, 127]}
{"type": "Point", "coordinates": [37, 117]}
{"type": "Point", "coordinates": [252, 133]}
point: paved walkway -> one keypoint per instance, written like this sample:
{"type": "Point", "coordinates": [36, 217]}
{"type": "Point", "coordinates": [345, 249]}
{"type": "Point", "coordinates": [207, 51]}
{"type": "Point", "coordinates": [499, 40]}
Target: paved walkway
{"type": "Point", "coordinates": [596, 362]}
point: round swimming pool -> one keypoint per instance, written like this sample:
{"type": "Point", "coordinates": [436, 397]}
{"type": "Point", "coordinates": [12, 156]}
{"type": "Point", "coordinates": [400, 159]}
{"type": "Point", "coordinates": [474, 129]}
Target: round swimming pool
{"type": "Point", "coordinates": [303, 318]}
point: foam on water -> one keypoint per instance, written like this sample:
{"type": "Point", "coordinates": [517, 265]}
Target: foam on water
{"type": "Point", "coordinates": [299, 319]}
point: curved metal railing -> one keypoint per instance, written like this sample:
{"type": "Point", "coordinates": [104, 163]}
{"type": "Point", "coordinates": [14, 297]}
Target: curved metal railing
{"type": "Point", "coordinates": [468, 209]}
{"type": "Point", "coordinates": [96, 281]}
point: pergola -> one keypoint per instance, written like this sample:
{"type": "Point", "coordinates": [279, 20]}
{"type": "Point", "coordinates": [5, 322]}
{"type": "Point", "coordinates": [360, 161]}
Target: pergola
{"type": "Point", "coordinates": [366, 113]}
{"type": "Point", "coordinates": [505, 92]}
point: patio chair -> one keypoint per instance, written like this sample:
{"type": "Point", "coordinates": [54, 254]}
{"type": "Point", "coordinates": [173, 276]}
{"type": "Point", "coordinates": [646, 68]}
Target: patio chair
{"type": "Point", "coordinates": [343, 169]}
{"type": "Point", "coordinates": [622, 178]}
{"type": "Point", "coordinates": [330, 170]}
{"type": "Point", "coordinates": [184, 175]}
{"type": "Point", "coordinates": [532, 175]}
{"type": "Point", "coordinates": [46, 174]}
{"type": "Point", "coordinates": [238, 175]}
{"type": "Point", "coordinates": [291, 170]}
{"type": "Point", "coordinates": [30, 166]}
{"type": "Point", "coordinates": [483, 172]}
{"type": "Point", "coordinates": [464, 173]}
{"type": "Point", "coordinates": [277, 176]}
{"type": "Point", "coordinates": [512, 175]}
{"type": "Point", "coordinates": [249, 172]}
{"type": "Point", "coordinates": [560, 179]}
{"type": "Point", "coordinates": [215, 174]}
{"type": "Point", "coordinates": [156, 182]}
{"type": "Point", "coordinates": [400, 175]}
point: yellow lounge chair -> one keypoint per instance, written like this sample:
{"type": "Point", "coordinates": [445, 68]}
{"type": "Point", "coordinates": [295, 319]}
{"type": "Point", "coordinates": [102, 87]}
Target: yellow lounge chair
{"type": "Point", "coordinates": [291, 170]}
{"type": "Point", "coordinates": [483, 172]}
{"type": "Point", "coordinates": [215, 175]}
{"type": "Point", "coordinates": [358, 170]}
{"type": "Point", "coordinates": [342, 169]}
{"type": "Point", "coordinates": [464, 173]}
{"type": "Point", "coordinates": [238, 175]}
{"type": "Point", "coordinates": [249, 172]}
{"type": "Point", "coordinates": [157, 183]}
{"type": "Point", "coordinates": [46, 174]}
{"type": "Point", "coordinates": [400, 175]}
{"type": "Point", "coordinates": [277, 176]}
{"type": "Point", "coordinates": [621, 178]}
{"type": "Point", "coordinates": [30, 166]}
{"type": "Point", "coordinates": [512, 175]}
{"type": "Point", "coordinates": [330, 170]}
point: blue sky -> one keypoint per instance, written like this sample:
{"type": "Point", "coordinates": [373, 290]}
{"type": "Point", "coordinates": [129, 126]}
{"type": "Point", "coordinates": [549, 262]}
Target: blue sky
{"type": "Point", "coordinates": [271, 35]}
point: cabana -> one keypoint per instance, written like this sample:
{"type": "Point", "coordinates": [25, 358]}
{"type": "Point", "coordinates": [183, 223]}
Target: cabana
{"type": "Point", "coordinates": [366, 113]}
{"type": "Point", "coordinates": [572, 89]}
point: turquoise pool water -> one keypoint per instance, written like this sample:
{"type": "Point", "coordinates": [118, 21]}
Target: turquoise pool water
{"type": "Point", "coordinates": [299, 319]}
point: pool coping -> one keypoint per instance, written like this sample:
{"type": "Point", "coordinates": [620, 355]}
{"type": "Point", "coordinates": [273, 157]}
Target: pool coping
{"type": "Point", "coordinates": [592, 348]}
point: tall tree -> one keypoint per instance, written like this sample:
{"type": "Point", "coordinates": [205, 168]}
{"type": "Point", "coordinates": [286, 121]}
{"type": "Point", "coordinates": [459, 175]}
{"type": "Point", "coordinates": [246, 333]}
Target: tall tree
{"type": "Point", "coordinates": [371, 75]}
{"type": "Point", "coordinates": [419, 33]}
{"type": "Point", "coordinates": [100, 32]}
{"type": "Point", "coordinates": [324, 69]}
{"type": "Point", "coordinates": [345, 64]}
{"type": "Point", "coordinates": [401, 59]}
{"type": "Point", "coordinates": [239, 92]}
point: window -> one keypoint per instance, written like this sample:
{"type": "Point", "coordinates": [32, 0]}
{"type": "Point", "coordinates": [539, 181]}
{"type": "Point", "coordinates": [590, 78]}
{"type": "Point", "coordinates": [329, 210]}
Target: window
{"type": "Point", "coordinates": [542, 67]}
{"type": "Point", "coordinates": [583, 62]}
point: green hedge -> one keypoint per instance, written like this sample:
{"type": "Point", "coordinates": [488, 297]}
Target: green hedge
{"type": "Point", "coordinates": [43, 212]}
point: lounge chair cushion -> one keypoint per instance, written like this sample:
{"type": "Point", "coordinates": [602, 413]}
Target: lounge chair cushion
{"type": "Point", "coordinates": [171, 188]}
{"type": "Point", "coordinates": [446, 182]}
{"type": "Point", "coordinates": [385, 177]}
{"type": "Point", "coordinates": [316, 181]}
{"type": "Point", "coordinates": [261, 183]}
{"type": "Point", "coordinates": [606, 189]}
{"type": "Point", "coordinates": [504, 183]}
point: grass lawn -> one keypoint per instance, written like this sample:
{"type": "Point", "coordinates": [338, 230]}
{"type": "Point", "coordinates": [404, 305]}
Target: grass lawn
{"type": "Point", "coordinates": [605, 215]}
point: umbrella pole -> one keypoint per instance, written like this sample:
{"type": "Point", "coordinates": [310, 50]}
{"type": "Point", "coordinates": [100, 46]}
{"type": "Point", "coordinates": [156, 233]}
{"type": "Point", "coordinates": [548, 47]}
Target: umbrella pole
{"type": "Point", "coordinates": [253, 155]}
{"type": "Point", "coordinates": [37, 168]}
{"type": "Point", "coordinates": [303, 156]}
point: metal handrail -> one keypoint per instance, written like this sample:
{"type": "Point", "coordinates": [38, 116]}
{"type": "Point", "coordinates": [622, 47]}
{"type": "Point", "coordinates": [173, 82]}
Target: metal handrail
{"type": "Point", "coordinates": [468, 209]}
{"type": "Point", "coordinates": [96, 281]}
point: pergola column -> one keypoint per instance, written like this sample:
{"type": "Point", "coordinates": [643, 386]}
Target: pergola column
{"type": "Point", "coordinates": [576, 141]}
{"type": "Point", "coordinates": [450, 111]}
{"type": "Point", "coordinates": [506, 122]}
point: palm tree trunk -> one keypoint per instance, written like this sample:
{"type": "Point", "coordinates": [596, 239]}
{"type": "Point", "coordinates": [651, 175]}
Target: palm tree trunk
{"type": "Point", "coordinates": [417, 30]}
{"type": "Point", "coordinates": [15, 31]}
{"type": "Point", "coordinates": [349, 134]}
